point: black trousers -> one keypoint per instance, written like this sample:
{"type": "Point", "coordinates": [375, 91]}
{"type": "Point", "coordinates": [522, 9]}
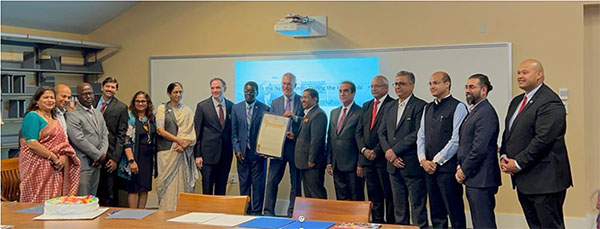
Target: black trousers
{"type": "Point", "coordinates": [445, 199]}
{"type": "Point", "coordinates": [107, 188]}
{"type": "Point", "coordinates": [482, 202]}
{"type": "Point", "coordinates": [379, 191]}
{"type": "Point", "coordinates": [413, 188]}
{"type": "Point", "coordinates": [313, 183]}
{"type": "Point", "coordinates": [543, 210]}
{"type": "Point", "coordinates": [214, 177]}
{"type": "Point", "coordinates": [252, 174]}
{"type": "Point", "coordinates": [348, 186]}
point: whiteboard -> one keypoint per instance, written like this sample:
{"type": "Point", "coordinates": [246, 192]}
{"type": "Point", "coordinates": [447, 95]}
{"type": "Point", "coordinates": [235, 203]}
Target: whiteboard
{"type": "Point", "coordinates": [459, 61]}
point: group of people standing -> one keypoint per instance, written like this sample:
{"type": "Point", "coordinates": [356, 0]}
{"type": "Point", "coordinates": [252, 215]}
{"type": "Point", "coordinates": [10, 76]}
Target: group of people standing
{"type": "Point", "coordinates": [406, 150]}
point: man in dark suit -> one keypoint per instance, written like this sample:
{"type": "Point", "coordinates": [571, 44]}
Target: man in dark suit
{"type": "Point", "coordinates": [287, 105]}
{"type": "Point", "coordinates": [213, 149]}
{"type": "Point", "coordinates": [309, 154]}
{"type": "Point", "coordinates": [533, 148]}
{"type": "Point", "coordinates": [437, 144]}
{"type": "Point", "coordinates": [398, 138]}
{"type": "Point", "coordinates": [252, 169]}
{"type": "Point", "coordinates": [477, 161]}
{"type": "Point", "coordinates": [116, 117]}
{"type": "Point", "coordinates": [342, 149]}
{"type": "Point", "coordinates": [372, 157]}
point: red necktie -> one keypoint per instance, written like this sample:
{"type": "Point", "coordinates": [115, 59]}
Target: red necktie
{"type": "Point", "coordinates": [374, 113]}
{"type": "Point", "coordinates": [221, 115]}
{"type": "Point", "coordinates": [103, 107]}
{"type": "Point", "coordinates": [523, 104]}
{"type": "Point", "coordinates": [339, 126]}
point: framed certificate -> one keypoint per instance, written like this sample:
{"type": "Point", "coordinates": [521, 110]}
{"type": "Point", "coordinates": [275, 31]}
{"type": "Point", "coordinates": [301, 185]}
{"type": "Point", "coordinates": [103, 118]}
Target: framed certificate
{"type": "Point", "coordinates": [271, 135]}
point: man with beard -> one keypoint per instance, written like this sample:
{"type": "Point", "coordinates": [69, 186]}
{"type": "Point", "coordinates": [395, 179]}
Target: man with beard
{"type": "Point", "coordinates": [477, 162]}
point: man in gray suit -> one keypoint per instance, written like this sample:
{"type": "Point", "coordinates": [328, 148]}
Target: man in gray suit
{"type": "Point", "coordinates": [398, 139]}
{"type": "Point", "coordinates": [89, 137]}
{"type": "Point", "coordinates": [342, 148]}
{"type": "Point", "coordinates": [309, 154]}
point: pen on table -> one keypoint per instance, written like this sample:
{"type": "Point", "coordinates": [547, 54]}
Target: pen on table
{"type": "Point", "coordinates": [114, 212]}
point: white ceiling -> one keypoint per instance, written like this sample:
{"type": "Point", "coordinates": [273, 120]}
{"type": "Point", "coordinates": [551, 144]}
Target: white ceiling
{"type": "Point", "coordinates": [81, 17]}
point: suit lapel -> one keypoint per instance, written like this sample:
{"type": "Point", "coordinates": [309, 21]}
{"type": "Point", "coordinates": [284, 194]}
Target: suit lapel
{"type": "Point", "coordinates": [336, 118]}
{"type": "Point", "coordinates": [407, 110]}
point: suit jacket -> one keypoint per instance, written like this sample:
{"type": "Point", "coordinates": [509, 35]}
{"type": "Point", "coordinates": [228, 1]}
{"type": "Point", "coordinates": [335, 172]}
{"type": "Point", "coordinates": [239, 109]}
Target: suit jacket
{"type": "Point", "coordinates": [278, 108]}
{"type": "Point", "coordinates": [116, 116]}
{"type": "Point", "coordinates": [342, 148]}
{"type": "Point", "coordinates": [477, 147]}
{"type": "Point", "coordinates": [88, 138]}
{"type": "Point", "coordinates": [310, 141]}
{"type": "Point", "coordinates": [368, 138]}
{"type": "Point", "coordinates": [402, 137]}
{"type": "Point", "coordinates": [213, 141]}
{"type": "Point", "coordinates": [536, 141]}
{"type": "Point", "coordinates": [239, 135]}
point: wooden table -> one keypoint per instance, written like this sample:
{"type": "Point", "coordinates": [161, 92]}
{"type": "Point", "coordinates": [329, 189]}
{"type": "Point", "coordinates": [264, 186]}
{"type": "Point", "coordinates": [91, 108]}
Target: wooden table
{"type": "Point", "coordinates": [157, 219]}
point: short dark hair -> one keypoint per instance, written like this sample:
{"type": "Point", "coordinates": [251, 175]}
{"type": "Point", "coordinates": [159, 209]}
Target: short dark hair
{"type": "Point", "coordinates": [219, 79]}
{"type": "Point", "coordinates": [172, 86]}
{"type": "Point", "coordinates": [253, 84]}
{"type": "Point", "coordinates": [352, 85]}
{"type": "Point", "coordinates": [411, 76]}
{"type": "Point", "coordinates": [484, 81]}
{"type": "Point", "coordinates": [36, 97]}
{"type": "Point", "coordinates": [313, 93]}
{"type": "Point", "coordinates": [110, 79]}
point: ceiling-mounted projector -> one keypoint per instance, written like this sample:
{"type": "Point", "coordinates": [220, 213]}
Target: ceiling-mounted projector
{"type": "Point", "coordinates": [298, 26]}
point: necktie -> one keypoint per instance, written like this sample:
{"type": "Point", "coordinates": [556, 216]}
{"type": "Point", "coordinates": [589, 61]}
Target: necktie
{"type": "Point", "coordinates": [221, 115]}
{"type": "Point", "coordinates": [341, 121]}
{"type": "Point", "coordinates": [288, 103]}
{"type": "Point", "coordinates": [248, 119]}
{"type": "Point", "coordinates": [103, 107]}
{"type": "Point", "coordinates": [523, 104]}
{"type": "Point", "coordinates": [374, 113]}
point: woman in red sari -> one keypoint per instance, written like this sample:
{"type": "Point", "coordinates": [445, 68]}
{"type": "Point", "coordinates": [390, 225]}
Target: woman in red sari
{"type": "Point", "coordinates": [48, 166]}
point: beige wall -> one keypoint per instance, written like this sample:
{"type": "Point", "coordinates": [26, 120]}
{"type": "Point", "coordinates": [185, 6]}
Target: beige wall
{"type": "Point", "coordinates": [550, 31]}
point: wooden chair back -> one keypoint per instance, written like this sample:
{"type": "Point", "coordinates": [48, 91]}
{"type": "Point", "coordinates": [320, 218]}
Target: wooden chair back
{"type": "Point", "coordinates": [332, 210]}
{"type": "Point", "coordinates": [235, 205]}
{"type": "Point", "coordinates": [10, 179]}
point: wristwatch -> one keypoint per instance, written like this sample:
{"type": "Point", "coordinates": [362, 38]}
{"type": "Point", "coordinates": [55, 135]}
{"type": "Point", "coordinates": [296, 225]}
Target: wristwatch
{"type": "Point", "coordinates": [130, 161]}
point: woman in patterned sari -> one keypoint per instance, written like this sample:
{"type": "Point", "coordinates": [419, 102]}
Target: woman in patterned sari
{"type": "Point", "coordinates": [48, 166]}
{"type": "Point", "coordinates": [176, 167]}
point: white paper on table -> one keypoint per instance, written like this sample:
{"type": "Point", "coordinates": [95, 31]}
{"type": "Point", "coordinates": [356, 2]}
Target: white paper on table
{"type": "Point", "coordinates": [90, 215]}
{"type": "Point", "coordinates": [229, 220]}
{"type": "Point", "coordinates": [195, 217]}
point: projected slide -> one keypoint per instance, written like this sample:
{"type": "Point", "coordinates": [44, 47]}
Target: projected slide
{"type": "Point", "coordinates": [324, 75]}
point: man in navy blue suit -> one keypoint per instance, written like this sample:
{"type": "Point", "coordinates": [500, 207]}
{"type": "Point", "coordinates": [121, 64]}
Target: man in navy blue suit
{"type": "Point", "coordinates": [287, 105]}
{"type": "Point", "coordinates": [477, 162]}
{"type": "Point", "coordinates": [245, 123]}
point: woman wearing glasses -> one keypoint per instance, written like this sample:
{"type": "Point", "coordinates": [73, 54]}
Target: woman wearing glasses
{"type": "Point", "coordinates": [140, 150]}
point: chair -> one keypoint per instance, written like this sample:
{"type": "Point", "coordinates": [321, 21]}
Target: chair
{"type": "Point", "coordinates": [332, 210]}
{"type": "Point", "coordinates": [10, 179]}
{"type": "Point", "coordinates": [216, 204]}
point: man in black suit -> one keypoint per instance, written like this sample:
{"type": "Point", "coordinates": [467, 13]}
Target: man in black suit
{"type": "Point", "coordinates": [213, 149]}
{"type": "Point", "coordinates": [289, 106]}
{"type": "Point", "coordinates": [116, 116]}
{"type": "Point", "coordinates": [477, 161]}
{"type": "Point", "coordinates": [309, 154]}
{"type": "Point", "coordinates": [398, 138]}
{"type": "Point", "coordinates": [372, 157]}
{"type": "Point", "coordinates": [342, 149]}
{"type": "Point", "coordinates": [533, 148]}
{"type": "Point", "coordinates": [437, 144]}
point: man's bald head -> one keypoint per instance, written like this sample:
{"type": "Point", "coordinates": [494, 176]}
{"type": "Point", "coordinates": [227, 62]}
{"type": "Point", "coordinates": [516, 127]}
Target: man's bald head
{"type": "Point", "coordinates": [530, 74]}
{"type": "Point", "coordinates": [85, 94]}
{"type": "Point", "coordinates": [63, 96]}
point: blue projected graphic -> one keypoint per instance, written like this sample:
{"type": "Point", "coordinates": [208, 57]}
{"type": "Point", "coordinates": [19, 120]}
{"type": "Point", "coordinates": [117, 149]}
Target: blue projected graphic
{"type": "Point", "coordinates": [324, 75]}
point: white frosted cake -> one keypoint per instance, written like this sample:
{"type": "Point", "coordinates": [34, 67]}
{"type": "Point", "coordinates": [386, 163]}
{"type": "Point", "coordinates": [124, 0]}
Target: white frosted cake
{"type": "Point", "coordinates": [71, 205]}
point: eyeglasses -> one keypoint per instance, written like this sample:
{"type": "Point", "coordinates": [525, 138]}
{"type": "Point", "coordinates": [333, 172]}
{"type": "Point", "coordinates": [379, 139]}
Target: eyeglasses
{"type": "Point", "coordinates": [400, 84]}
{"type": "Point", "coordinates": [141, 101]}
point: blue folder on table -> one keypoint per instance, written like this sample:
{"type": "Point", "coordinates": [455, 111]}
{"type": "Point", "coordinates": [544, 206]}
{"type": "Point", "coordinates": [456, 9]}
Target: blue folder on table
{"type": "Point", "coordinates": [309, 224]}
{"type": "Point", "coordinates": [33, 210]}
{"type": "Point", "coordinates": [267, 222]}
